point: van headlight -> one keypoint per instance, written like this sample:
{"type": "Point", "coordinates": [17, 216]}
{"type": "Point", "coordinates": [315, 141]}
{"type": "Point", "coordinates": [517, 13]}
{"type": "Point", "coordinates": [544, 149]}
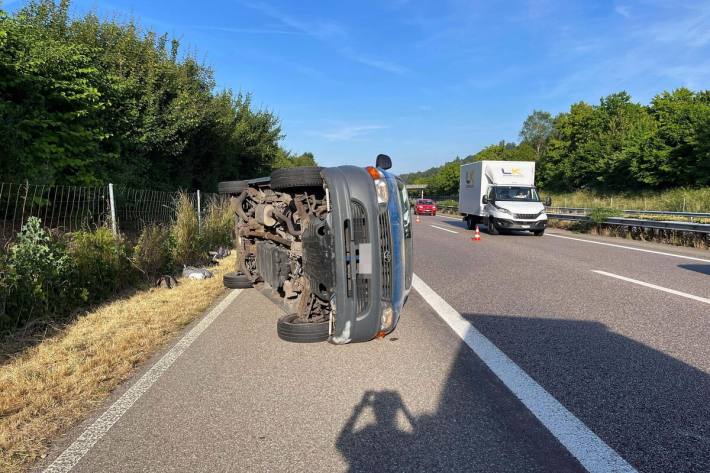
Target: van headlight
{"type": "Point", "coordinates": [383, 194]}
{"type": "Point", "coordinates": [505, 211]}
{"type": "Point", "coordinates": [387, 319]}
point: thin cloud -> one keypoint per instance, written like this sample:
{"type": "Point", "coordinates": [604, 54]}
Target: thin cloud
{"type": "Point", "coordinates": [349, 132]}
{"type": "Point", "coordinates": [623, 11]}
{"type": "Point", "coordinates": [329, 32]}
{"type": "Point", "coordinates": [319, 29]}
{"type": "Point", "coordinates": [386, 66]}
{"type": "Point", "coordinates": [265, 31]}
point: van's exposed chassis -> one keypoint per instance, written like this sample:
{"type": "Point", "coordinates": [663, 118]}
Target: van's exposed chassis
{"type": "Point", "coordinates": [316, 241]}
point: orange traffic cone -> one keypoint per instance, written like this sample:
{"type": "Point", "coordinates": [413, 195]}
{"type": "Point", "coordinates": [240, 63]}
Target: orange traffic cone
{"type": "Point", "coordinates": [417, 220]}
{"type": "Point", "coordinates": [476, 235]}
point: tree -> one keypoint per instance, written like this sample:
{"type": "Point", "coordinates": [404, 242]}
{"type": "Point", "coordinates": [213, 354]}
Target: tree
{"type": "Point", "coordinates": [536, 130]}
{"type": "Point", "coordinates": [87, 101]}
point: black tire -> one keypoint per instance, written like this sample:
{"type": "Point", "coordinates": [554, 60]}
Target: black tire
{"type": "Point", "coordinates": [232, 187]}
{"type": "Point", "coordinates": [290, 178]}
{"type": "Point", "coordinates": [292, 331]}
{"type": "Point", "coordinates": [538, 232]}
{"type": "Point", "coordinates": [469, 222]}
{"type": "Point", "coordinates": [236, 281]}
{"type": "Point", "coordinates": [492, 229]}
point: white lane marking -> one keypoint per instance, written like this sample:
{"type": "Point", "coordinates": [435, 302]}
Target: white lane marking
{"type": "Point", "coordinates": [556, 235]}
{"type": "Point", "coordinates": [460, 219]}
{"type": "Point", "coordinates": [653, 286]}
{"type": "Point", "coordinates": [81, 446]}
{"type": "Point", "coordinates": [591, 451]}
{"type": "Point", "coordinates": [441, 228]}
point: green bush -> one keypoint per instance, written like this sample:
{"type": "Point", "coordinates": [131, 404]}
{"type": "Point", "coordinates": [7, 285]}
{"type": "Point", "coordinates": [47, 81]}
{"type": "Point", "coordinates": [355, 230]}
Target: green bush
{"type": "Point", "coordinates": [218, 224]}
{"type": "Point", "coordinates": [101, 264]}
{"type": "Point", "coordinates": [37, 277]}
{"type": "Point", "coordinates": [187, 247]}
{"type": "Point", "coordinates": [152, 254]}
{"type": "Point", "coordinates": [599, 214]}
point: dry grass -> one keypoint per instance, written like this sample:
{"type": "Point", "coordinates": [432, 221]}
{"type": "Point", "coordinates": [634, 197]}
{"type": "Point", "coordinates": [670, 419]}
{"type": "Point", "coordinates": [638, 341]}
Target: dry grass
{"type": "Point", "coordinates": [52, 386]}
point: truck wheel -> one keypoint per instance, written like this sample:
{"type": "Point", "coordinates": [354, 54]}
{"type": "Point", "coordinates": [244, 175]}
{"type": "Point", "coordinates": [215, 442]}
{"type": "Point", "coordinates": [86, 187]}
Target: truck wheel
{"type": "Point", "coordinates": [232, 187]}
{"type": "Point", "coordinates": [289, 178]}
{"type": "Point", "coordinates": [469, 222]}
{"type": "Point", "coordinates": [289, 329]}
{"type": "Point", "coordinates": [538, 232]}
{"type": "Point", "coordinates": [236, 281]}
{"type": "Point", "coordinates": [492, 229]}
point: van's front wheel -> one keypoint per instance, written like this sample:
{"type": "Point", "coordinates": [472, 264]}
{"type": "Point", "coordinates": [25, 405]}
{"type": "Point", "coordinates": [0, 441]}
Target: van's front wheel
{"type": "Point", "coordinates": [492, 229]}
{"type": "Point", "coordinates": [291, 329]}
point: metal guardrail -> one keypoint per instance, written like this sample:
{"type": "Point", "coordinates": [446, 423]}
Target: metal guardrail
{"type": "Point", "coordinates": [580, 215]}
{"type": "Point", "coordinates": [641, 223]}
{"type": "Point", "coordinates": [673, 213]}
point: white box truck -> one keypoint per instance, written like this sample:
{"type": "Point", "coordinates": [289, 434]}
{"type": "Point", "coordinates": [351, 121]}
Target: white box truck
{"type": "Point", "coordinates": [502, 196]}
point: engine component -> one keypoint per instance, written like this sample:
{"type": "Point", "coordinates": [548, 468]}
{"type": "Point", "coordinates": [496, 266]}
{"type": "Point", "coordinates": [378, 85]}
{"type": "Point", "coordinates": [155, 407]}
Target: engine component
{"type": "Point", "coordinates": [273, 263]}
{"type": "Point", "coordinates": [318, 252]}
{"type": "Point", "coordinates": [264, 214]}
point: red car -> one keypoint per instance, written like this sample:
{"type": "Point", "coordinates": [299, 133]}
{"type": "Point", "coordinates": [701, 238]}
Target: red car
{"type": "Point", "coordinates": [425, 206]}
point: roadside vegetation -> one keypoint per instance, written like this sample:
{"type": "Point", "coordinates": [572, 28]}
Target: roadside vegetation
{"type": "Point", "coordinates": [677, 200]}
{"type": "Point", "coordinates": [48, 388]}
{"type": "Point", "coordinates": [45, 278]}
{"type": "Point", "coordinates": [86, 101]}
{"type": "Point", "coordinates": [79, 311]}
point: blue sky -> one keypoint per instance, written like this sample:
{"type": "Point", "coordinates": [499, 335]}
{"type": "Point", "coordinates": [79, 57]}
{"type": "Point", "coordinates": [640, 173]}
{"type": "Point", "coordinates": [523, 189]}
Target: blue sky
{"type": "Point", "coordinates": [425, 81]}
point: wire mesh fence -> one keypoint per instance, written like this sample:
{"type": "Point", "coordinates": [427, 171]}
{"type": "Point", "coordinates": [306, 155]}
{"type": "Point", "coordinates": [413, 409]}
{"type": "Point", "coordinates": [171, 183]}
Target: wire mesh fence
{"type": "Point", "coordinates": [66, 209]}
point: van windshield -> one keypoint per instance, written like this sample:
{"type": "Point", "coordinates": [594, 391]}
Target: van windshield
{"type": "Point", "coordinates": [522, 194]}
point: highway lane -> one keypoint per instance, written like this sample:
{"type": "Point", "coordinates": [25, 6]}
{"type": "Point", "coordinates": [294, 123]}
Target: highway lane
{"type": "Point", "coordinates": [631, 362]}
{"type": "Point", "coordinates": [239, 399]}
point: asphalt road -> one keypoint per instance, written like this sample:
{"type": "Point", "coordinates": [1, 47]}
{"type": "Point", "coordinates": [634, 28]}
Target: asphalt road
{"type": "Point", "coordinates": [631, 362]}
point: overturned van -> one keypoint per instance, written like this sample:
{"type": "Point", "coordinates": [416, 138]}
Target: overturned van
{"type": "Point", "coordinates": [332, 246]}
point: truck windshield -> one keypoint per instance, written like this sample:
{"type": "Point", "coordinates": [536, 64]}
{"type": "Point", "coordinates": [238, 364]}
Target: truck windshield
{"type": "Point", "coordinates": [523, 194]}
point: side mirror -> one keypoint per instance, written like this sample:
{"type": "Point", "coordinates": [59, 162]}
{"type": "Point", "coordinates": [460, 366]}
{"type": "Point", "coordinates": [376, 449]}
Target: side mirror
{"type": "Point", "coordinates": [548, 201]}
{"type": "Point", "coordinates": [383, 161]}
{"type": "Point", "coordinates": [485, 199]}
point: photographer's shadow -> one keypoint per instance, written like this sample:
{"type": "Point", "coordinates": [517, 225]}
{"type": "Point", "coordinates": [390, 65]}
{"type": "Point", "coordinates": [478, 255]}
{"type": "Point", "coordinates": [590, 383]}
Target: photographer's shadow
{"type": "Point", "coordinates": [379, 443]}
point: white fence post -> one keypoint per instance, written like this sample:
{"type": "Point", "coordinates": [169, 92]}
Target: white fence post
{"type": "Point", "coordinates": [199, 214]}
{"type": "Point", "coordinates": [112, 203]}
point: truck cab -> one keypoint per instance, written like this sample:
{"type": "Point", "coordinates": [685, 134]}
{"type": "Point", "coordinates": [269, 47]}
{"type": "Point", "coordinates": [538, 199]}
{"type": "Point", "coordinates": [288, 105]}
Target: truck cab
{"type": "Point", "coordinates": [514, 208]}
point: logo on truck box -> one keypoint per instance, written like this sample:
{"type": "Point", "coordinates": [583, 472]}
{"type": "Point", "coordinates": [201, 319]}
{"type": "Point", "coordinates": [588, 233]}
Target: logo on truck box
{"type": "Point", "coordinates": [511, 171]}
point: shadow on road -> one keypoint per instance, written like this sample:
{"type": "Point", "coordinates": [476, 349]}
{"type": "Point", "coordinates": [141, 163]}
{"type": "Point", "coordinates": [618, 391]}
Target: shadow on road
{"type": "Point", "coordinates": [698, 268]}
{"type": "Point", "coordinates": [651, 408]}
{"type": "Point", "coordinates": [477, 426]}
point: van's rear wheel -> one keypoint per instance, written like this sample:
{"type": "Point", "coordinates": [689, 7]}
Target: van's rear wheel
{"type": "Point", "coordinates": [492, 229]}
{"type": "Point", "coordinates": [232, 187]}
{"type": "Point", "coordinates": [292, 329]}
{"type": "Point", "coordinates": [290, 178]}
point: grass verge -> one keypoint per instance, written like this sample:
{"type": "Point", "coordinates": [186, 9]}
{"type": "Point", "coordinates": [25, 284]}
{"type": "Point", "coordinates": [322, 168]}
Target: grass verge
{"type": "Point", "coordinates": [50, 387]}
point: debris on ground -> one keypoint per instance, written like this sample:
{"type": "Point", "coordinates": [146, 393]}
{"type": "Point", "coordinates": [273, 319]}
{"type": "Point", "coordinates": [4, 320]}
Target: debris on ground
{"type": "Point", "coordinates": [192, 272]}
{"type": "Point", "coordinates": [166, 281]}
{"type": "Point", "coordinates": [222, 252]}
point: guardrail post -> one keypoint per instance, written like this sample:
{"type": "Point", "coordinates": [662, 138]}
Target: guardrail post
{"type": "Point", "coordinates": [112, 203]}
{"type": "Point", "coordinates": [199, 214]}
